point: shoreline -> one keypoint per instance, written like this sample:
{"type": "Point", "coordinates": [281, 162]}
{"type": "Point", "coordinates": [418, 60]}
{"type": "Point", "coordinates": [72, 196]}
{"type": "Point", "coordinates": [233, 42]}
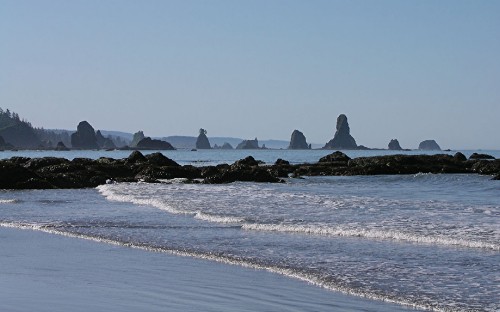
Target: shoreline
{"type": "Point", "coordinates": [46, 272]}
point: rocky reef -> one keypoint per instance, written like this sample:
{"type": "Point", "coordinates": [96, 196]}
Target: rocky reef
{"type": "Point", "coordinates": [202, 140]}
{"type": "Point", "coordinates": [52, 172]}
{"type": "Point", "coordinates": [429, 145]}
{"type": "Point", "coordinates": [342, 138]}
{"type": "Point", "coordinates": [152, 144]}
{"type": "Point", "coordinates": [298, 141]}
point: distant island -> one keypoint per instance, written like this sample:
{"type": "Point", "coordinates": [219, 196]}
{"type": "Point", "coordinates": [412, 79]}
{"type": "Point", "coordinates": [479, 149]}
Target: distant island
{"type": "Point", "coordinates": [17, 133]}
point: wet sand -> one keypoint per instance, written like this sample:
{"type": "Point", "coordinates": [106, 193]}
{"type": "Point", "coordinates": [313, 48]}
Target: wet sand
{"type": "Point", "coordinates": [47, 272]}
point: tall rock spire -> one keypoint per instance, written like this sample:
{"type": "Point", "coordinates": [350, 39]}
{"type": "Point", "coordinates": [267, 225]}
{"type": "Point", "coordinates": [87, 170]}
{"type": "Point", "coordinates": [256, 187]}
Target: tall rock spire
{"type": "Point", "coordinates": [342, 138]}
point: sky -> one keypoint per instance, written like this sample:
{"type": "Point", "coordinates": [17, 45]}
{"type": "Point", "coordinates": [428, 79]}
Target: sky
{"type": "Point", "coordinates": [406, 70]}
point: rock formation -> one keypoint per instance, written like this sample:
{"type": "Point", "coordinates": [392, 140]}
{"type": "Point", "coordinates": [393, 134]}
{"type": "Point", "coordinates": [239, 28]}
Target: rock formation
{"type": "Point", "coordinates": [202, 140]}
{"type": "Point", "coordinates": [429, 145]}
{"type": "Point", "coordinates": [248, 144]}
{"type": "Point", "coordinates": [342, 138]}
{"type": "Point", "coordinates": [394, 145]}
{"type": "Point", "coordinates": [52, 172]}
{"type": "Point", "coordinates": [61, 147]}
{"type": "Point", "coordinates": [139, 135]}
{"type": "Point", "coordinates": [298, 141]}
{"type": "Point", "coordinates": [151, 144]}
{"type": "Point", "coordinates": [103, 142]}
{"type": "Point", "coordinates": [226, 146]}
{"type": "Point", "coordinates": [84, 137]}
{"type": "Point", "coordinates": [481, 156]}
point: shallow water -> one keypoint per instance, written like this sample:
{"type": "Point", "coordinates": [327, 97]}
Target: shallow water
{"type": "Point", "coordinates": [427, 241]}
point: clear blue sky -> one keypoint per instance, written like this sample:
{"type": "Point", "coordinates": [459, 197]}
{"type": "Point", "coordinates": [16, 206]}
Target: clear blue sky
{"type": "Point", "coordinates": [410, 70]}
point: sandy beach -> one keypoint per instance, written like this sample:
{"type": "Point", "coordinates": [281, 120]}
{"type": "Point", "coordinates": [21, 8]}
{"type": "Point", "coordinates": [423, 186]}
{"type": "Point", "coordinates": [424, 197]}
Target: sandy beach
{"type": "Point", "coordinates": [46, 272]}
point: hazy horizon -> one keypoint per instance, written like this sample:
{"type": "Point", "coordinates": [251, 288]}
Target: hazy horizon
{"type": "Point", "coordinates": [402, 70]}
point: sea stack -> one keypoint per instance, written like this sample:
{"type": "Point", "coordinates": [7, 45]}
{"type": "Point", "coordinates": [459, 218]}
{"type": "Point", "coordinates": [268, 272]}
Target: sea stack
{"type": "Point", "coordinates": [394, 145]}
{"type": "Point", "coordinates": [202, 140]}
{"type": "Point", "coordinates": [84, 137]}
{"type": "Point", "coordinates": [298, 141]}
{"type": "Point", "coordinates": [139, 135]}
{"type": "Point", "coordinates": [342, 138]}
{"type": "Point", "coordinates": [103, 142]}
{"type": "Point", "coordinates": [429, 145]}
{"type": "Point", "coordinates": [248, 144]}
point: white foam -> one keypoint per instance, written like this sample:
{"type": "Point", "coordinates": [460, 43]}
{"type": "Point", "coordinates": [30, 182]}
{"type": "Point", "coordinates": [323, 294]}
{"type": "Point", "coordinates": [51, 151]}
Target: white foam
{"type": "Point", "coordinates": [218, 219]}
{"type": "Point", "coordinates": [370, 233]}
{"type": "Point", "coordinates": [9, 201]}
{"type": "Point", "coordinates": [109, 194]}
{"type": "Point", "coordinates": [312, 279]}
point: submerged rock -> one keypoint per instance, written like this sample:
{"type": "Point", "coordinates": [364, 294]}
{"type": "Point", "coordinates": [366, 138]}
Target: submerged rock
{"type": "Point", "coordinates": [342, 138]}
{"type": "Point", "coordinates": [298, 141]}
{"type": "Point", "coordinates": [429, 145]}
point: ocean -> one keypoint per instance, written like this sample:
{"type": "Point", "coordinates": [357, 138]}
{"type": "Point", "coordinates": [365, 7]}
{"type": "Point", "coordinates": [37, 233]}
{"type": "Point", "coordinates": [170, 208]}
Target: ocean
{"type": "Point", "coordinates": [427, 241]}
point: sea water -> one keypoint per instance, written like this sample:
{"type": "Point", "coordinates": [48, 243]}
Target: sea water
{"type": "Point", "coordinates": [430, 241]}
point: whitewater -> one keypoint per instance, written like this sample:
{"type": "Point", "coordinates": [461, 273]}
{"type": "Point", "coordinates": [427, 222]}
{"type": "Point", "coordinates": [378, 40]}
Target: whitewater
{"type": "Point", "coordinates": [426, 241]}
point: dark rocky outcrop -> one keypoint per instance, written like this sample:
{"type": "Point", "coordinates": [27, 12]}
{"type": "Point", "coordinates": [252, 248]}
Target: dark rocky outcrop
{"type": "Point", "coordinates": [459, 156]}
{"type": "Point", "coordinates": [202, 140]}
{"type": "Point", "coordinates": [248, 144]}
{"type": "Point", "coordinates": [335, 157]}
{"type": "Point", "coordinates": [342, 138]}
{"type": "Point", "coordinates": [298, 141]}
{"type": "Point", "coordinates": [53, 172]}
{"type": "Point", "coordinates": [159, 159]}
{"type": "Point", "coordinates": [102, 142]}
{"type": "Point", "coordinates": [226, 146]}
{"type": "Point", "coordinates": [138, 136]}
{"type": "Point", "coordinates": [394, 145]}
{"type": "Point", "coordinates": [429, 145]}
{"type": "Point", "coordinates": [84, 137]}
{"type": "Point", "coordinates": [480, 156]}
{"type": "Point", "coordinates": [152, 144]}
{"type": "Point", "coordinates": [61, 147]}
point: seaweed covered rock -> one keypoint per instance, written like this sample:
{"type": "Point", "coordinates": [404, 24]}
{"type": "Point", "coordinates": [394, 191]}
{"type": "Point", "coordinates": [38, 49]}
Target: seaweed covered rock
{"type": "Point", "coordinates": [160, 160]}
{"type": "Point", "coordinates": [480, 156]}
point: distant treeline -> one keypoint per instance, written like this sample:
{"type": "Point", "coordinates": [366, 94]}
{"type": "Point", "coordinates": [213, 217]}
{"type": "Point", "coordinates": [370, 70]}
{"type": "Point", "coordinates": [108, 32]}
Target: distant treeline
{"type": "Point", "coordinates": [16, 132]}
